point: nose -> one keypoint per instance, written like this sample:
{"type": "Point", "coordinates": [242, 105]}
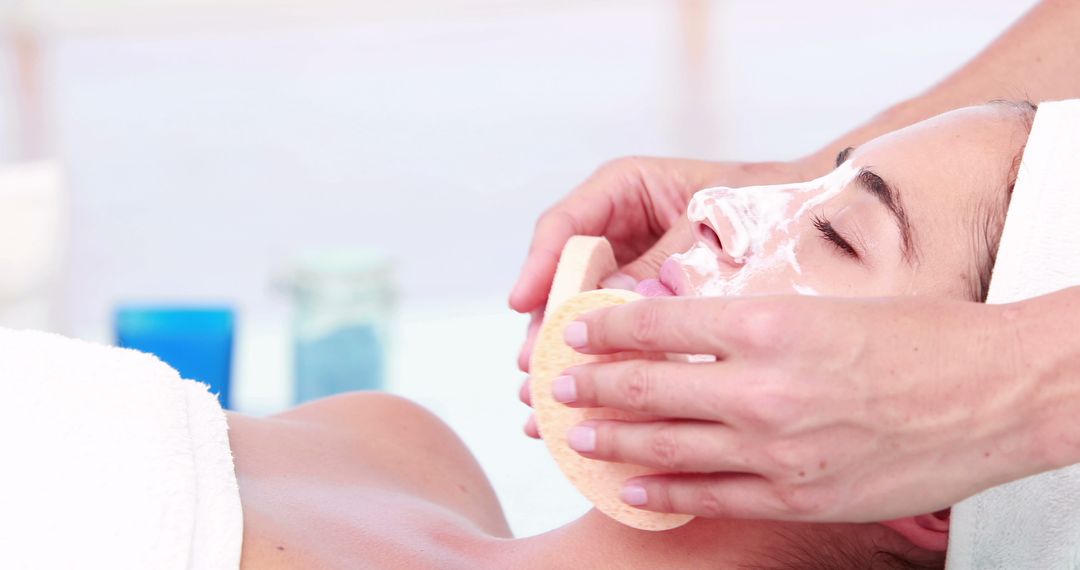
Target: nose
{"type": "Point", "coordinates": [719, 236]}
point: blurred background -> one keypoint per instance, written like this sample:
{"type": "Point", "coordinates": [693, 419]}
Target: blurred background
{"type": "Point", "coordinates": [195, 149]}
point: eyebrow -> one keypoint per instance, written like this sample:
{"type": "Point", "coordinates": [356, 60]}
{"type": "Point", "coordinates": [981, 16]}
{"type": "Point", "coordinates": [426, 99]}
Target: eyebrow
{"type": "Point", "coordinates": [886, 194]}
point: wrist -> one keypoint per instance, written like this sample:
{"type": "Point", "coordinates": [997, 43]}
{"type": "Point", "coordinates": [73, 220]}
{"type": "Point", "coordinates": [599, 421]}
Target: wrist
{"type": "Point", "coordinates": [736, 174]}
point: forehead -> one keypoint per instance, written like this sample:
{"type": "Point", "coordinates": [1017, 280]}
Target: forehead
{"type": "Point", "coordinates": [964, 150]}
{"type": "Point", "coordinates": [952, 173]}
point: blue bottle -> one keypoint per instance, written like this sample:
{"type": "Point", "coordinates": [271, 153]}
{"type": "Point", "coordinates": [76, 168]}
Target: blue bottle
{"type": "Point", "coordinates": [196, 341]}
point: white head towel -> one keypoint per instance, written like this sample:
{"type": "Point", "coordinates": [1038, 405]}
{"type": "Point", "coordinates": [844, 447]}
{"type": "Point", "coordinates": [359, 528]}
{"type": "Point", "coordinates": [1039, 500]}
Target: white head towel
{"type": "Point", "coordinates": [110, 460]}
{"type": "Point", "coordinates": [1033, 522]}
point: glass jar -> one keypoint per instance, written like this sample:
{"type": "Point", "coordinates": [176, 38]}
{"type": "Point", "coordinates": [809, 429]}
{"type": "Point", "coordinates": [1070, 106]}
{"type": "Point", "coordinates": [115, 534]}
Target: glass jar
{"type": "Point", "coordinates": [343, 302]}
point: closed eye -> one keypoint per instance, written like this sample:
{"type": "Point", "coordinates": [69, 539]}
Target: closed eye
{"type": "Point", "coordinates": [829, 234]}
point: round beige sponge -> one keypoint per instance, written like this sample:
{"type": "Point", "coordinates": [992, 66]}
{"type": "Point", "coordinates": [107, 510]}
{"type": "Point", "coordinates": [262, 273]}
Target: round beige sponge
{"type": "Point", "coordinates": [583, 262]}
{"type": "Point", "coordinates": [599, 481]}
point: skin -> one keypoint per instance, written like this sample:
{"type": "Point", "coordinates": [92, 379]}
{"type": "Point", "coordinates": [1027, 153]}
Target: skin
{"type": "Point", "coordinates": [948, 172]}
{"type": "Point", "coordinates": [370, 480]}
{"type": "Point", "coordinates": [1037, 58]}
{"type": "Point", "coordinates": [760, 433]}
{"type": "Point", "coordinates": [638, 204]}
{"type": "Point", "coordinates": [289, 522]}
{"type": "Point", "coordinates": [635, 201]}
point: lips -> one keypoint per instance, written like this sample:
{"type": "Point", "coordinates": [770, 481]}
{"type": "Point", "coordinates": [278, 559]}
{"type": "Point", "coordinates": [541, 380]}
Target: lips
{"type": "Point", "coordinates": [670, 284]}
{"type": "Point", "coordinates": [672, 277]}
{"type": "Point", "coordinates": [654, 288]}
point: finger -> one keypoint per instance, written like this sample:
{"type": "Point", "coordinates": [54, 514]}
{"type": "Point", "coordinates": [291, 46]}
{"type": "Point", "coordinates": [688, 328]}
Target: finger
{"type": "Point", "coordinates": [703, 391]}
{"type": "Point", "coordinates": [536, 318]}
{"type": "Point", "coordinates": [677, 240]}
{"type": "Point", "coordinates": [676, 447]}
{"type": "Point", "coordinates": [553, 230]}
{"type": "Point", "coordinates": [531, 428]}
{"type": "Point", "coordinates": [524, 394]}
{"type": "Point", "coordinates": [718, 495]}
{"type": "Point", "coordinates": [685, 325]}
{"type": "Point", "coordinates": [618, 280]}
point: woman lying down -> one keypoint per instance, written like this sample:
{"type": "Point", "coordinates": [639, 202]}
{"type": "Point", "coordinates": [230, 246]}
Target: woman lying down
{"type": "Point", "coordinates": [112, 461]}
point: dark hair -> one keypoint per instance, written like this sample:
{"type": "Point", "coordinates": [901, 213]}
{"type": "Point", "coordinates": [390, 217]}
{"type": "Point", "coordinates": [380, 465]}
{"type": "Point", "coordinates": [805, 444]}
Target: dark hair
{"type": "Point", "coordinates": [835, 549]}
{"type": "Point", "coordinates": [990, 213]}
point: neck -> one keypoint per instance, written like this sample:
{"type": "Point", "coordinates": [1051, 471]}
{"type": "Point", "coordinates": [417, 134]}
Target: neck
{"type": "Point", "coordinates": [596, 541]}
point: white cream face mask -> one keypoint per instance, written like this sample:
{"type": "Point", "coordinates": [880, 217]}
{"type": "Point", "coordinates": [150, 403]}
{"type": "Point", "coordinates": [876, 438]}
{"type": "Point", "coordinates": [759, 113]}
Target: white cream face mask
{"type": "Point", "coordinates": [753, 235]}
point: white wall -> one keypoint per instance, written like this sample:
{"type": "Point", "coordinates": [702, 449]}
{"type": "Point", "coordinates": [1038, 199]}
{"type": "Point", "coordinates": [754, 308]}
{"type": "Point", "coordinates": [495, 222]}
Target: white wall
{"type": "Point", "coordinates": [200, 157]}
{"type": "Point", "coordinates": [198, 160]}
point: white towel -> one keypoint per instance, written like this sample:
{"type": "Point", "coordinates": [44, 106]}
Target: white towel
{"type": "Point", "coordinates": [109, 460]}
{"type": "Point", "coordinates": [1033, 522]}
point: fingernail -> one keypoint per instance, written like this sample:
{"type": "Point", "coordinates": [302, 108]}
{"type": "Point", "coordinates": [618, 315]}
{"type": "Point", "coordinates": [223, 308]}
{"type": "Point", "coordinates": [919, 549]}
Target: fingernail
{"type": "Point", "coordinates": [619, 280]}
{"type": "Point", "coordinates": [634, 495]}
{"type": "Point", "coordinates": [581, 438]}
{"type": "Point", "coordinates": [576, 334]}
{"type": "Point", "coordinates": [564, 389]}
{"type": "Point", "coordinates": [524, 393]}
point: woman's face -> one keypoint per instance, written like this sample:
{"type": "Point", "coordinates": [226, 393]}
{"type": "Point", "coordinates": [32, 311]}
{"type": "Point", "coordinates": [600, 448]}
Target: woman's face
{"type": "Point", "coordinates": [912, 212]}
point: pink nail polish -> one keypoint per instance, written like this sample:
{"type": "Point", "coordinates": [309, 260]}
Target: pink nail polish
{"type": "Point", "coordinates": [581, 438]}
{"type": "Point", "coordinates": [564, 389]}
{"type": "Point", "coordinates": [576, 334]}
{"type": "Point", "coordinates": [634, 495]}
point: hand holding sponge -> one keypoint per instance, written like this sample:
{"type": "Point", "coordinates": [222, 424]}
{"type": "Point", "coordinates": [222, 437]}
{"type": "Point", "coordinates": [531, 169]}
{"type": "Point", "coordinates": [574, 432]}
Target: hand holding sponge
{"type": "Point", "coordinates": [584, 262]}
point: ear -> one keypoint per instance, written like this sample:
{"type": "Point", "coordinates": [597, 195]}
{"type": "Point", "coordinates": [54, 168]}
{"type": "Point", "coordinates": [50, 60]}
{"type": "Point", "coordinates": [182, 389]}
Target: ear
{"type": "Point", "coordinates": [925, 531]}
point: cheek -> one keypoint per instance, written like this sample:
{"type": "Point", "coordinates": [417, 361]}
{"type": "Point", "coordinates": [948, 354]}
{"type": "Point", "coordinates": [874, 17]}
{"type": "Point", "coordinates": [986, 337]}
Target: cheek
{"type": "Point", "coordinates": [780, 280]}
{"type": "Point", "coordinates": [947, 281]}
{"type": "Point", "coordinates": [708, 278]}
{"type": "Point", "coordinates": [826, 272]}
{"type": "Point", "coordinates": [776, 272]}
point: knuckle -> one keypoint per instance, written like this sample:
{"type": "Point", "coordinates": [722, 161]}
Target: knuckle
{"type": "Point", "coordinates": [588, 386]}
{"type": "Point", "coordinates": [545, 217]}
{"type": "Point", "coordinates": [637, 389]}
{"type": "Point", "coordinates": [666, 450]}
{"type": "Point", "coordinates": [802, 501]}
{"type": "Point", "coordinates": [553, 216]}
{"type": "Point", "coordinates": [645, 326]}
{"type": "Point", "coordinates": [761, 324]}
{"type": "Point", "coordinates": [661, 496]}
{"type": "Point", "coordinates": [765, 325]}
{"type": "Point", "coordinates": [708, 502]}
{"type": "Point", "coordinates": [620, 164]}
{"type": "Point", "coordinates": [765, 404]}
{"type": "Point", "coordinates": [608, 442]}
{"type": "Point", "coordinates": [772, 410]}
{"type": "Point", "coordinates": [787, 458]}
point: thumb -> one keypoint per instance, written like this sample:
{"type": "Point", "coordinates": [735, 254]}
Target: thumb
{"type": "Point", "coordinates": [677, 240]}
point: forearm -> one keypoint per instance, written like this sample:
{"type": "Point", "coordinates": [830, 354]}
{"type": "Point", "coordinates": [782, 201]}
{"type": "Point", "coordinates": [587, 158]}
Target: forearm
{"type": "Point", "coordinates": [1045, 349]}
{"type": "Point", "coordinates": [1038, 59]}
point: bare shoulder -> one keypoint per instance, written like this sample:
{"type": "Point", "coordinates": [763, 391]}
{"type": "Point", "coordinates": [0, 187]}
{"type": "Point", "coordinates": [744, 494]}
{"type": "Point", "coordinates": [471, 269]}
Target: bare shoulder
{"type": "Point", "coordinates": [365, 412]}
{"type": "Point", "coordinates": [327, 463]}
{"type": "Point", "coordinates": [393, 436]}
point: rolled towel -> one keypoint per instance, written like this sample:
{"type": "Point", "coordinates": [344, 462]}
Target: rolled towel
{"type": "Point", "coordinates": [1033, 522]}
{"type": "Point", "coordinates": [110, 461]}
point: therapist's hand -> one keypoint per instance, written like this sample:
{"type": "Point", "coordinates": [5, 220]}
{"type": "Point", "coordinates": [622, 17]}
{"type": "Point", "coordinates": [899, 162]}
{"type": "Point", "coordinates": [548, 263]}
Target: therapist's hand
{"type": "Point", "coordinates": [639, 205]}
{"type": "Point", "coordinates": [824, 409]}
